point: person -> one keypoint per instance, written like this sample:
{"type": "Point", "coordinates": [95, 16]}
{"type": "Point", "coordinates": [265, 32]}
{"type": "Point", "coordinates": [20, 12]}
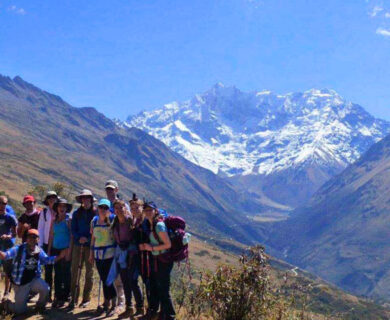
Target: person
{"type": "Point", "coordinates": [44, 224]}
{"type": "Point", "coordinates": [112, 191]}
{"type": "Point", "coordinates": [160, 272]}
{"type": "Point", "coordinates": [60, 240]}
{"type": "Point", "coordinates": [27, 259]}
{"type": "Point", "coordinates": [8, 225]}
{"type": "Point", "coordinates": [80, 226]}
{"type": "Point", "coordinates": [29, 219]}
{"type": "Point", "coordinates": [127, 257]}
{"type": "Point", "coordinates": [103, 251]}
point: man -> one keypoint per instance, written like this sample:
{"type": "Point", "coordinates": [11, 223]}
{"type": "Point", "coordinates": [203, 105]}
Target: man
{"type": "Point", "coordinates": [81, 227]}
{"type": "Point", "coordinates": [27, 259]}
{"type": "Point", "coordinates": [29, 219]}
{"type": "Point", "coordinates": [44, 224]}
{"type": "Point", "coordinates": [112, 190]}
{"type": "Point", "coordinates": [8, 225]}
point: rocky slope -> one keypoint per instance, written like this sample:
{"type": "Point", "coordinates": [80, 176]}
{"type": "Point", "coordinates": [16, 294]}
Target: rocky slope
{"type": "Point", "coordinates": [281, 146]}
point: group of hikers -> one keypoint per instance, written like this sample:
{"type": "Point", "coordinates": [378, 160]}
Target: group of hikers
{"type": "Point", "coordinates": [124, 241]}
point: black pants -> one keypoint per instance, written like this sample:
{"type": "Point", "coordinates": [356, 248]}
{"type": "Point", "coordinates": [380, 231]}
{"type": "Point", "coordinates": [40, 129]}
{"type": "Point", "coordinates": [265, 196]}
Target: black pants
{"type": "Point", "coordinates": [48, 271]}
{"type": "Point", "coordinates": [103, 267]}
{"type": "Point", "coordinates": [62, 277]}
{"type": "Point", "coordinates": [129, 277]}
{"type": "Point", "coordinates": [160, 283]}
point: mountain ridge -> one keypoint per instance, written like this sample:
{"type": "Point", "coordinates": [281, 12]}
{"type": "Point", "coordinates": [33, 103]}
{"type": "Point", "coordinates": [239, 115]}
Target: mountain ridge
{"type": "Point", "coordinates": [313, 134]}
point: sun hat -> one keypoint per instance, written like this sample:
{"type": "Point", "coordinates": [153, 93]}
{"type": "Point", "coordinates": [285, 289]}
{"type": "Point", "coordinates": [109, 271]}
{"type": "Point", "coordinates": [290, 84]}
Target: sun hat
{"type": "Point", "coordinates": [85, 193]}
{"type": "Point", "coordinates": [50, 193]}
{"type": "Point", "coordinates": [62, 201]}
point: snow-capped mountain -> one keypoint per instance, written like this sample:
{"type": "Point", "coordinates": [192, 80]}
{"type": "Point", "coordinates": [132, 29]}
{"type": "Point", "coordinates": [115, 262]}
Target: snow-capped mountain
{"type": "Point", "coordinates": [236, 133]}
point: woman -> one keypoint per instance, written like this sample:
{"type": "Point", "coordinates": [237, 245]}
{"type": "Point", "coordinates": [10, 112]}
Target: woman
{"type": "Point", "coordinates": [160, 272]}
{"type": "Point", "coordinates": [60, 240]}
{"type": "Point", "coordinates": [127, 256]}
{"type": "Point", "coordinates": [103, 252]}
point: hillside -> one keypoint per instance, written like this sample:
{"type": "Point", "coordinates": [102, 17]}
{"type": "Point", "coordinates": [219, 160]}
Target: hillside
{"type": "Point", "coordinates": [44, 139]}
{"type": "Point", "coordinates": [282, 147]}
{"type": "Point", "coordinates": [322, 301]}
{"type": "Point", "coordinates": [343, 234]}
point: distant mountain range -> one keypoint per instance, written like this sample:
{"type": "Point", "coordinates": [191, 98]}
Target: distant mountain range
{"type": "Point", "coordinates": [283, 147]}
{"type": "Point", "coordinates": [43, 139]}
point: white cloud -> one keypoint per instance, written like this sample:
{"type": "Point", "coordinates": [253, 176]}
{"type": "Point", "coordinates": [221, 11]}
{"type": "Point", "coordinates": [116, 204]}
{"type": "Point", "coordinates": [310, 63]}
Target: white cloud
{"type": "Point", "coordinates": [383, 32]}
{"type": "Point", "coordinates": [376, 10]}
{"type": "Point", "coordinates": [17, 10]}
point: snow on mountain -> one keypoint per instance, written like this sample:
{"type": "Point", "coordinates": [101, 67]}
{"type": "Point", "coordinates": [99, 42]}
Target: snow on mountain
{"type": "Point", "coordinates": [238, 133]}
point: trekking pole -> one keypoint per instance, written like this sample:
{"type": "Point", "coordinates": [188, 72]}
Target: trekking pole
{"type": "Point", "coordinates": [100, 287]}
{"type": "Point", "coordinates": [147, 264]}
{"type": "Point", "coordinates": [77, 289]}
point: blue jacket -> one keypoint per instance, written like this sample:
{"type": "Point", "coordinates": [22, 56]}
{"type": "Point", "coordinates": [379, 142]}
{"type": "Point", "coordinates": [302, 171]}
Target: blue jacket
{"type": "Point", "coordinates": [81, 224]}
{"type": "Point", "coordinates": [10, 210]}
{"type": "Point", "coordinates": [18, 268]}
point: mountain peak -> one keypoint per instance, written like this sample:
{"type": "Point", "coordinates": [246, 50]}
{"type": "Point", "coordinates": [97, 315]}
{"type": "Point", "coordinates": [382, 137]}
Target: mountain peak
{"type": "Point", "coordinates": [227, 130]}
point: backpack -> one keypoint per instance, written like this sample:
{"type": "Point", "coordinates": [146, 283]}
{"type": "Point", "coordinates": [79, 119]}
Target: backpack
{"type": "Point", "coordinates": [179, 239]}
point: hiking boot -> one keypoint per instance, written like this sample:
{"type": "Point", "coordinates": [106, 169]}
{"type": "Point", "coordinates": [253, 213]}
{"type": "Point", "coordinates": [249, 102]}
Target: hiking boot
{"type": "Point", "coordinates": [84, 304]}
{"type": "Point", "coordinates": [71, 306]}
{"type": "Point", "coordinates": [40, 310]}
{"type": "Point", "coordinates": [60, 303]}
{"type": "Point", "coordinates": [140, 311]}
{"type": "Point", "coordinates": [111, 312]}
{"type": "Point", "coordinates": [101, 309]}
{"type": "Point", "coordinates": [54, 304]}
{"type": "Point", "coordinates": [151, 315]}
{"type": "Point", "coordinates": [126, 313]}
{"type": "Point", "coordinates": [5, 296]}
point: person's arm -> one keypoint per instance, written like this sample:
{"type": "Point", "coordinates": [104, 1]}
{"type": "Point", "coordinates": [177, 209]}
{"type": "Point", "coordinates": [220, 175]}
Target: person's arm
{"type": "Point", "coordinates": [75, 228]}
{"type": "Point", "coordinates": [9, 254]}
{"type": "Point", "coordinates": [12, 232]}
{"type": "Point", "coordinates": [22, 227]}
{"type": "Point", "coordinates": [41, 228]}
{"type": "Point", "coordinates": [91, 256]}
{"type": "Point", "coordinates": [50, 242]}
{"type": "Point", "coordinates": [163, 237]}
{"type": "Point", "coordinates": [45, 259]}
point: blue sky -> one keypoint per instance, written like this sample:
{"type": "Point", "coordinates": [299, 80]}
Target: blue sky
{"type": "Point", "coordinates": [124, 56]}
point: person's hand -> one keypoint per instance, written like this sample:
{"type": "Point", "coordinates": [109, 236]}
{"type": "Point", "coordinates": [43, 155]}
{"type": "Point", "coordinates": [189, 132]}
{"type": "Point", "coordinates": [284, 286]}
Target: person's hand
{"type": "Point", "coordinates": [148, 247]}
{"type": "Point", "coordinates": [26, 226]}
{"type": "Point", "coordinates": [91, 258]}
{"type": "Point", "coordinates": [141, 246]}
{"type": "Point", "coordinates": [83, 240]}
{"type": "Point", "coordinates": [68, 254]}
{"type": "Point", "coordinates": [5, 237]}
{"type": "Point", "coordinates": [59, 257]}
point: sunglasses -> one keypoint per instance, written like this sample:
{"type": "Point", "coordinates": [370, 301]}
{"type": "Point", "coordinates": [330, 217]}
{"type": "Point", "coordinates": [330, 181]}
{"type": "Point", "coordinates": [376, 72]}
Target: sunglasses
{"type": "Point", "coordinates": [103, 207]}
{"type": "Point", "coordinates": [4, 203]}
{"type": "Point", "coordinates": [33, 236]}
